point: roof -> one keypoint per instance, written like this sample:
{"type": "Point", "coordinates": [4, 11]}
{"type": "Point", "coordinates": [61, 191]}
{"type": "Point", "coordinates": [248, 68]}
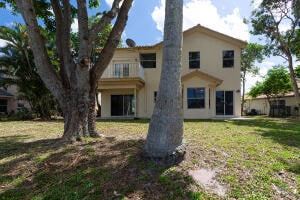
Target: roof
{"type": "Point", "coordinates": [197, 28]}
{"type": "Point", "coordinates": [290, 94]}
{"type": "Point", "coordinates": [196, 73]}
{"type": "Point", "coordinates": [216, 34]}
{"type": "Point", "coordinates": [4, 93]}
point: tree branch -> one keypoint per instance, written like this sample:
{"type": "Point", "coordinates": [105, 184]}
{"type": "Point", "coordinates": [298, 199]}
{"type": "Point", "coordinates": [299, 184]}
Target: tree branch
{"type": "Point", "coordinates": [105, 20]}
{"type": "Point", "coordinates": [83, 29]}
{"type": "Point", "coordinates": [113, 40]}
{"type": "Point", "coordinates": [41, 58]}
{"type": "Point", "coordinates": [63, 30]}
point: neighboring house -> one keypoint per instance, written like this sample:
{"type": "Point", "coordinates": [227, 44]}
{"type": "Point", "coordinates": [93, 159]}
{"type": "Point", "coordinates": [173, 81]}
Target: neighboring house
{"type": "Point", "coordinates": [210, 77]}
{"type": "Point", "coordinates": [283, 106]}
{"type": "Point", "coordinates": [9, 101]}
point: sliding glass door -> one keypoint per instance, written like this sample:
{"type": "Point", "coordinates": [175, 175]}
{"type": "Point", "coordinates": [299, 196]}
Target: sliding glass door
{"type": "Point", "coordinates": [224, 103]}
{"type": "Point", "coordinates": [122, 105]}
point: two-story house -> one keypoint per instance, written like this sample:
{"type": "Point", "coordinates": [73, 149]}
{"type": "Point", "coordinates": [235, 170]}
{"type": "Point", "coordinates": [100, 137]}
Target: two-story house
{"type": "Point", "coordinates": [210, 77]}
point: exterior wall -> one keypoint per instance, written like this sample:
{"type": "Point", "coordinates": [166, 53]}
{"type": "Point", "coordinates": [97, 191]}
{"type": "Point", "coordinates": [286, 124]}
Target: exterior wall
{"type": "Point", "coordinates": [262, 105]}
{"type": "Point", "coordinates": [211, 62]}
{"type": "Point", "coordinates": [12, 102]}
{"type": "Point", "coordinates": [197, 113]}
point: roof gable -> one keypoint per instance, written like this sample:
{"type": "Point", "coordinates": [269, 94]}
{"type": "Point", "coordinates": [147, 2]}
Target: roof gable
{"type": "Point", "coordinates": [198, 28]}
{"type": "Point", "coordinates": [215, 34]}
{"type": "Point", "coordinates": [204, 76]}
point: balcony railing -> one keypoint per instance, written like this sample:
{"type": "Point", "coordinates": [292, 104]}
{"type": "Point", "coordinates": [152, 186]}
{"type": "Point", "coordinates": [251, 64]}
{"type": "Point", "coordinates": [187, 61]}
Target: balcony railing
{"type": "Point", "coordinates": [124, 70]}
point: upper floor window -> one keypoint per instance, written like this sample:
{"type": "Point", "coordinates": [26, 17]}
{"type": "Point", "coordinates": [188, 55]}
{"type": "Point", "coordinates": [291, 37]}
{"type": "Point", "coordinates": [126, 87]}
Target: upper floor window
{"type": "Point", "coordinates": [121, 70]}
{"type": "Point", "coordinates": [148, 60]}
{"type": "Point", "coordinates": [194, 60]}
{"type": "Point", "coordinates": [196, 97]}
{"type": "Point", "coordinates": [125, 70]}
{"type": "Point", "coordinates": [117, 70]}
{"type": "Point", "coordinates": [228, 58]}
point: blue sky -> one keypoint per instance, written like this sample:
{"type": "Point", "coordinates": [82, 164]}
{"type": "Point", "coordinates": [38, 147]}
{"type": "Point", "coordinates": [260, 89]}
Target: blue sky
{"type": "Point", "coordinates": [145, 22]}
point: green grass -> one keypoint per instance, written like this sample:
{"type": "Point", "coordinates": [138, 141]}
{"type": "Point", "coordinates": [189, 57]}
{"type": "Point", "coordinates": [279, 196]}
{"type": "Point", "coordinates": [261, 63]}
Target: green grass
{"type": "Point", "coordinates": [255, 159]}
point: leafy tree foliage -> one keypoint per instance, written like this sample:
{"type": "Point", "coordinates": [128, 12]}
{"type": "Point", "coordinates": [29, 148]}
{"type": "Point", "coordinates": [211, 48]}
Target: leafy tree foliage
{"type": "Point", "coordinates": [250, 55]}
{"type": "Point", "coordinates": [17, 64]}
{"type": "Point", "coordinates": [297, 71]}
{"type": "Point", "coordinates": [276, 84]}
{"type": "Point", "coordinates": [278, 21]}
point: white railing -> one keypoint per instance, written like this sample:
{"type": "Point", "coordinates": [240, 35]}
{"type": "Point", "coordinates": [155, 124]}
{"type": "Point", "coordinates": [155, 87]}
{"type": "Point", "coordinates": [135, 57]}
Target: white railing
{"type": "Point", "coordinates": [124, 70]}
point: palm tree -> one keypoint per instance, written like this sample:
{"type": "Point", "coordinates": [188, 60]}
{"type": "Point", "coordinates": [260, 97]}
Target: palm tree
{"type": "Point", "coordinates": [17, 64]}
{"type": "Point", "coordinates": [165, 132]}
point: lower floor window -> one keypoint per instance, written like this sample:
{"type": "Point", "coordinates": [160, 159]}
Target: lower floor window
{"type": "Point", "coordinates": [196, 97]}
{"type": "Point", "coordinates": [3, 106]}
{"type": "Point", "coordinates": [122, 105]}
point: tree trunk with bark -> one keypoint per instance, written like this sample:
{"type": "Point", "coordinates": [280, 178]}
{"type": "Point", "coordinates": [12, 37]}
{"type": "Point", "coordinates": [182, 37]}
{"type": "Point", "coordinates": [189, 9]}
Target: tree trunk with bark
{"type": "Point", "coordinates": [244, 90]}
{"type": "Point", "coordinates": [74, 86]}
{"type": "Point", "coordinates": [164, 139]}
{"type": "Point", "coordinates": [92, 113]}
{"type": "Point", "coordinates": [293, 79]}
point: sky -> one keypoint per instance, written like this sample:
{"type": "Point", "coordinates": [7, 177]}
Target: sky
{"type": "Point", "coordinates": [145, 22]}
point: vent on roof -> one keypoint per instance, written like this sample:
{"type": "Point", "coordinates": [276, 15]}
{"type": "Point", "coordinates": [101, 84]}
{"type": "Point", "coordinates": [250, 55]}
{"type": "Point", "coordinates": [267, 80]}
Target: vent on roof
{"type": "Point", "coordinates": [130, 42]}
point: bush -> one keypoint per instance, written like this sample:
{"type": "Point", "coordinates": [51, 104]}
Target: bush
{"type": "Point", "coordinates": [22, 114]}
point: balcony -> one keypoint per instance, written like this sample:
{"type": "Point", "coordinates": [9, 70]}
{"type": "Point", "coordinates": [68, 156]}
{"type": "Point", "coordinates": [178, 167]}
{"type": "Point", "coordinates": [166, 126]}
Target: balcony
{"type": "Point", "coordinates": [122, 75]}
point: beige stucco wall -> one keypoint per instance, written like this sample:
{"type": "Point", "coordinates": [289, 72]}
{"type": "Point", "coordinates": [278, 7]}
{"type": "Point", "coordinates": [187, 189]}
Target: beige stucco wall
{"type": "Point", "coordinates": [210, 62]}
{"type": "Point", "coordinates": [12, 102]}
{"type": "Point", "coordinates": [262, 105]}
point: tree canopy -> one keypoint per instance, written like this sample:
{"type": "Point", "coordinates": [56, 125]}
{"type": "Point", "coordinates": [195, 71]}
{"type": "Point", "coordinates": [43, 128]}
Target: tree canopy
{"type": "Point", "coordinates": [278, 21]}
{"type": "Point", "coordinates": [16, 61]}
{"type": "Point", "coordinates": [252, 54]}
{"type": "Point", "coordinates": [276, 84]}
{"type": "Point", "coordinates": [297, 71]}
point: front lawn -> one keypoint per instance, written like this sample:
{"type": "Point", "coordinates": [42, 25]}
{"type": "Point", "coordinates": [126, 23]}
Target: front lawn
{"type": "Point", "coordinates": [250, 159]}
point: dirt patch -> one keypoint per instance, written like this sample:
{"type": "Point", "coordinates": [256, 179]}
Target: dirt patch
{"type": "Point", "coordinates": [207, 178]}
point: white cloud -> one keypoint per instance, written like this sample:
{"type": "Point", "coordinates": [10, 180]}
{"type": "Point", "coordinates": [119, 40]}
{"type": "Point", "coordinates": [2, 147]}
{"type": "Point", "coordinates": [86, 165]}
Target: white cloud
{"type": "Point", "coordinates": [205, 13]}
{"type": "Point", "coordinates": [2, 43]}
{"type": "Point", "coordinates": [74, 26]}
{"type": "Point", "coordinates": [109, 2]}
{"type": "Point", "coordinates": [256, 3]}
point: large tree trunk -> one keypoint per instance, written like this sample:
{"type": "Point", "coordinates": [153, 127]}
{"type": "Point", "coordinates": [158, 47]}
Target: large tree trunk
{"type": "Point", "coordinates": [293, 79]}
{"type": "Point", "coordinates": [75, 110]}
{"type": "Point", "coordinates": [92, 113]}
{"type": "Point", "coordinates": [244, 89]}
{"type": "Point", "coordinates": [75, 85]}
{"type": "Point", "coordinates": [166, 127]}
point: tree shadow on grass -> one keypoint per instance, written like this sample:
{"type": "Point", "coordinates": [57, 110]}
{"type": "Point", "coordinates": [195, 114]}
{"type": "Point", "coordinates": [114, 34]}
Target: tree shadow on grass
{"type": "Point", "coordinates": [15, 145]}
{"type": "Point", "coordinates": [106, 169]}
{"type": "Point", "coordinates": [286, 133]}
{"type": "Point", "coordinates": [127, 121]}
